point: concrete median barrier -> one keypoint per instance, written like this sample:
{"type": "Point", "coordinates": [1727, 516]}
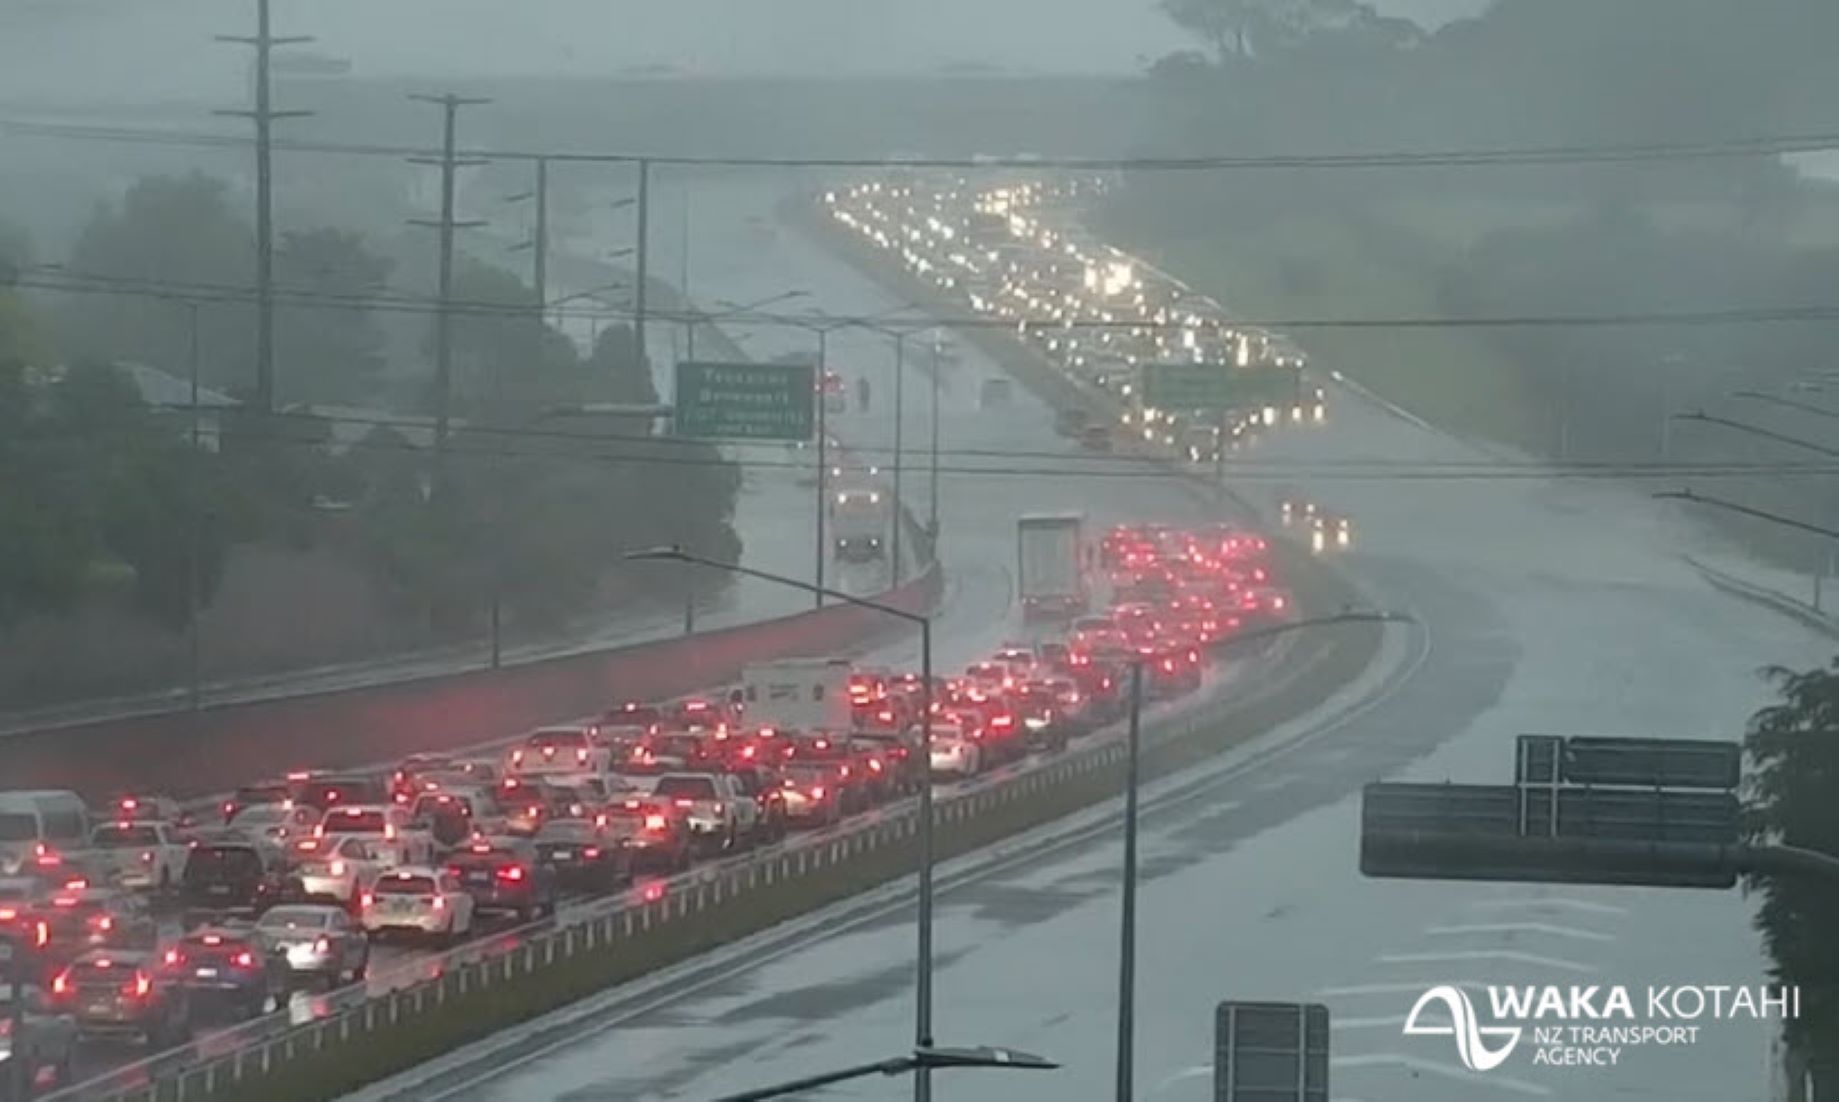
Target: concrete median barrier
{"type": "Point", "coordinates": [216, 748]}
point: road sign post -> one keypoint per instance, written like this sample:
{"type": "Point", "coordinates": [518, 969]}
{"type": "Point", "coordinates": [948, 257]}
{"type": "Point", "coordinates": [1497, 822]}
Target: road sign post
{"type": "Point", "coordinates": [1219, 387]}
{"type": "Point", "coordinates": [746, 401]}
{"type": "Point", "coordinates": [1270, 1052]}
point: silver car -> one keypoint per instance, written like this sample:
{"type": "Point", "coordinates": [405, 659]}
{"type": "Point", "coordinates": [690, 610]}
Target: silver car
{"type": "Point", "coordinates": [315, 942]}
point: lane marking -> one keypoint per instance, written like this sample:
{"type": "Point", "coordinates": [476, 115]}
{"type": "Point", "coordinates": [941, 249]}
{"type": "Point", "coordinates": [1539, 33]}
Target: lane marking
{"type": "Point", "coordinates": [1521, 928]}
{"type": "Point", "coordinates": [1485, 954]}
{"type": "Point", "coordinates": [1391, 1021]}
{"type": "Point", "coordinates": [1533, 901]}
{"type": "Point", "coordinates": [1392, 988]}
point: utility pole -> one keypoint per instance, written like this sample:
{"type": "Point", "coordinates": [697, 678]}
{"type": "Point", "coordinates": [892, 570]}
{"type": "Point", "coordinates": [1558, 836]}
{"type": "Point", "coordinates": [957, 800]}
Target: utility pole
{"type": "Point", "coordinates": [540, 279]}
{"type": "Point", "coordinates": [264, 115]}
{"type": "Point", "coordinates": [449, 163]}
{"type": "Point", "coordinates": [640, 260]}
{"type": "Point", "coordinates": [194, 467]}
{"type": "Point", "coordinates": [683, 275]}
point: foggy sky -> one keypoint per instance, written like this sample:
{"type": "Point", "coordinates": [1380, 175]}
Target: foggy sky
{"type": "Point", "coordinates": [92, 50]}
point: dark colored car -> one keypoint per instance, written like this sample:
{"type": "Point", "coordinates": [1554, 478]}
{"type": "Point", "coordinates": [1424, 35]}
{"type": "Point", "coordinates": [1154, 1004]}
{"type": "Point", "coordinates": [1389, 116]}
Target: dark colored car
{"type": "Point", "coordinates": [448, 816]}
{"type": "Point", "coordinates": [332, 791]}
{"type": "Point", "coordinates": [313, 942]}
{"type": "Point", "coordinates": [74, 921]}
{"type": "Point", "coordinates": [585, 855]}
{"type": "Point", "coordinates": [223, 967]}
{"type": "Point", "coordinates": [122, 992]}
{"type": "Point", "coordinates": [226, 876]}
{"type": "Point", "coordinates": [655, 834]}
{"type": "Point", "coordinates": [37, 1039]}
{"type": "Point", "coordinates": [506, 875]}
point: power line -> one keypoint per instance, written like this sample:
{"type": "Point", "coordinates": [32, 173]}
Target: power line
{"type": "Point", "coordinates": [465, 442]}
{"type": "Point", "coordinates": [1500, 156]}
{"type": "Point", "coordinates": [1758, 315]}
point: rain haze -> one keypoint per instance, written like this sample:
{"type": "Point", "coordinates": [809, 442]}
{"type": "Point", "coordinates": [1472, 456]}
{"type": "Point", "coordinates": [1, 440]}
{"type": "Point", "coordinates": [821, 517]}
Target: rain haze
{"type": "Point", "coordinates": [1011, 550]}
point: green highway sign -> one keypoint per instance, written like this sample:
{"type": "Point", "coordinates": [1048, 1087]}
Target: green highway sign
{"type": "Point", "coordinates": [1218, 387]}
{"type": "Point", "coordinates": [746, 401]}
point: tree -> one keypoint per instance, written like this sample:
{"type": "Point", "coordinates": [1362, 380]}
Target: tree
{"type": "Point", "coordinates": [335, 353]}
{"type": "Point", "coordinates": [169, 235]}
{"type": "Point", "coordinates": [626, 376]}
{"type": "Point", "coordinates": [1794, 749]}
{"type": "Point", "coordinates": [504, 354]}
{"type": "Point", "coordinates": [89, 477]}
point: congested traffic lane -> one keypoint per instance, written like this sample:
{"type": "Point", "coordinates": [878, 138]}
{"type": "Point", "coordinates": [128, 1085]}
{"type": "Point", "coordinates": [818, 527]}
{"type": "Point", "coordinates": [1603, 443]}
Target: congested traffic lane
{"type": "Point", "coordinates": [1548, 606]}
{"type": "Point", "coordinates": [977, 517]}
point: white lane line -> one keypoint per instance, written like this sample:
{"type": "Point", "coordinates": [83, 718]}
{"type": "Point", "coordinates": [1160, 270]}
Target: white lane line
{"type": "Point", "coordinates": [1432, 1067]}
{"type": "Point", "coordinates": [1390, 1021]}
{"type": "Point", "coordinates": [1536, 901]}
{"type": "Point", "coordinates": [1485, 954]}
{"type": "Point", "coordinates": [1393, 989]}
{"type": "Point", "coordinates": [1520, 928]}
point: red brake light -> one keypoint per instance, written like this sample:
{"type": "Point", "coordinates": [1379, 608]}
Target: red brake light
{"type": "Point", "coordinates": [511, 872]}
{"type": "Point", "coordinates": [367, 900]}
{"type": "Point", "coordinates": [173, 957]}
{"type": "Point", "coordinates": [591, 852]}
{"type": "Point", "coordinates": [817, 793]}
{"type": "Point", "coordinates": [684, 803]}
{"type": "Point", "coordinates": [61, 985]}
{"type": "Point", "coordinates": [322, 946]}
{"type": "Point", "coordinates": [141, 986]}
{"type": "Point", "coordinates": [654, 822]}
{"type": "Point", "coordinates": [245, 959]}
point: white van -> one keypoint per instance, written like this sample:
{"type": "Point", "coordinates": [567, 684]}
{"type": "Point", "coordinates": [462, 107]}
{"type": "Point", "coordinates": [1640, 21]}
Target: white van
{"type": "Point", "coordinates": [32, 823]}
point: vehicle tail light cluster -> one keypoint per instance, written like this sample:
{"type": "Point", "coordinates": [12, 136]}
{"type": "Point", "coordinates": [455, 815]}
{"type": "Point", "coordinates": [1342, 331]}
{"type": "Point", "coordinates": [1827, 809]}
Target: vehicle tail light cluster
{"type": "Point", "coordinates": [591, 852]}
{"type": "Point", "coordinates": [322, 946]}
{"type": "Point", "coordinates": [654, 822]}
{"type": "Point", "coordinates": [60, 985]}
{"type": "Point", "coordinates": [581, 755]}
{"type": "Point", "coordinates": [173, 958]}
{"type": "Point", "coordinates": [817, 793]}
{"type": "Point", "coordinates": [245, 959]}
{"type": "Point", "coordinates": [367, 900]}
{"type": "Point", "coordinates": [513, 873]}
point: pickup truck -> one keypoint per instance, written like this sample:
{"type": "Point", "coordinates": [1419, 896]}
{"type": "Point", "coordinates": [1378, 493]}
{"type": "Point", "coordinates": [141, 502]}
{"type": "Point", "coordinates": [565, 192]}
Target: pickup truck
{"type": "Point", "coordinates": [719, 812]}
{"type": "Point", "coordinates": [37, 1045]}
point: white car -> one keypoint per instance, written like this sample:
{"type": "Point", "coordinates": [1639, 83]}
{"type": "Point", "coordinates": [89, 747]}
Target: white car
{"type": "Point", "coordinates": [417, 900]}
{"type": "Point", "coordinates": [954, 752]}
{"type": "Point", "coordinates": [574, 749]}
{"type": "Point", "coordinates": [144, 856]}
{"type": "Point", "coordinates": [278, 823]}
{"type": "Point", "coordinates": [391, 828]}
{"type": "Point", "coordinates": [338, 867]}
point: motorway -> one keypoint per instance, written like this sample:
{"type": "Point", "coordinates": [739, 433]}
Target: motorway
{"type": "Point", "coordinates": [1546, 605]}
{"type": "Point", "coordinates": [977, 512]}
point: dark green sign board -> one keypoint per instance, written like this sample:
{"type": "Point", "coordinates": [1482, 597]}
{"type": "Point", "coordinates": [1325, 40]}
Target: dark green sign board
{"type": "Point", "coordinates": [1217, 386]}
{"type": "Point", "coordinates": [746, 401]}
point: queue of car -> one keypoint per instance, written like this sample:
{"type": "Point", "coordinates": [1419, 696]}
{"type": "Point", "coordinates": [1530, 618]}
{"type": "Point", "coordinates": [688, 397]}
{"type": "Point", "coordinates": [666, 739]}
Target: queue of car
{"type": "Point", "coordinates": [291, 881]}
{"type": "Point", "coordinates": [1013, 252]}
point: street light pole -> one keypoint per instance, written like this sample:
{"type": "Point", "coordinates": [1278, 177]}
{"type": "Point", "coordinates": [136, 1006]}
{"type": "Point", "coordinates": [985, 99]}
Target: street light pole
{"type": "Point", "coordinates": [933, 494]}
{"type": "Point", "coordinates": [900, 373]}
{"type": "Point", "coordinates": [642, 247]}
{"type": "Point", "coordinates": [1127, 926]}
{"type": "Point", "coordinates": [823, 457]}
{"type": "Point", "coordinates": [922, 1081]}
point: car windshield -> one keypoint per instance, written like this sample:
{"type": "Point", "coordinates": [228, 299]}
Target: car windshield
{"type": "Point", "coordinates": [688, 788]}
{"type": "Point", "coordinates": [295, 918]}
{"type": "Point", "coordinates": [15, 827]}
{"type": "Point", "coordinates": [124, 837]}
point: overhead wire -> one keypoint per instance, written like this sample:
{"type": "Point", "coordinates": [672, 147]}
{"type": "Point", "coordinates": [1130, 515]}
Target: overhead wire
{"type": "Point", "coordinates": [216, 293]}
{"type": "Point", "coordinates": [1616, 152]}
